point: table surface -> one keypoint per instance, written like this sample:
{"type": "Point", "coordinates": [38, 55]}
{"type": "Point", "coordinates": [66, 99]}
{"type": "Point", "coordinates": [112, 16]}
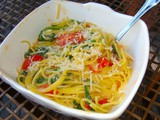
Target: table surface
{"type": "Point", "coordinates": [146, 103]}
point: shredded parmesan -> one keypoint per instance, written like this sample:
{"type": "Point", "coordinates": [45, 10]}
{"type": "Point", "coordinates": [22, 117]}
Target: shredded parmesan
{"type": "Point", "coordinates": [71, 61]}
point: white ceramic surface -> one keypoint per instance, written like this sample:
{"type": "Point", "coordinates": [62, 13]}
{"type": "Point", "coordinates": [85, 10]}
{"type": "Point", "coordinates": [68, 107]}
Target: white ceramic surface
{"type": "Point", "coordinates": [136, 40]}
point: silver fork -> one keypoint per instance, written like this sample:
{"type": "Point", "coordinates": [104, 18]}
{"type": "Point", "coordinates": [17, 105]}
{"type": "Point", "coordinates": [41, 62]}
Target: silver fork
{"type": "Point", "coordinates": [147, 6]}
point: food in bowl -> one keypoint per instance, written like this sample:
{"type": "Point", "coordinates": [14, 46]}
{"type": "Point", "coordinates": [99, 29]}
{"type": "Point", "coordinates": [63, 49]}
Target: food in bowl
{"type": "Point", "coordinates": [78, 65]}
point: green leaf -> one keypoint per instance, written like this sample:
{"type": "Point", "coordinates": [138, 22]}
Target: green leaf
{"type": "Point", "coordinates": [55, 68]}
{"type": "Point", "coordinates": [87, 92]}
{"type": "Point", "coordinates": [28, 53]}
{"type": "Point", "coordinates": [84, 46]}
{"type": "Point", "coordinates": [75, 103]}
{"type": "Point", "coordinates": [41, 79]}
{"type": "Point", "coordinates": [93, 40]}
{"type": "Point", "coordinates": [54, 79]}
{"type": "Point", "coordinates": [70, 57]}
{"type": "Point", "coordinates": [55, 27]}
{"type": "Point", "coordinates": [24, 73]}
{"type": "Point", "coordinates": [115, 51]}
{"type": "Point", "coordinates": [48, 34]}
{"type": "Point", "coordinates": [22, 79]}
{"type": "Point", "coordinates": [43, 50]}
{"type": "Point", "coordinates": [88, 96]}
{"type": "Point", "coordinates": [78, 106]}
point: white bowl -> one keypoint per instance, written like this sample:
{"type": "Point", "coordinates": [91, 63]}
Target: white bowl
{"type": "Point", "coordinates": [136, 40]}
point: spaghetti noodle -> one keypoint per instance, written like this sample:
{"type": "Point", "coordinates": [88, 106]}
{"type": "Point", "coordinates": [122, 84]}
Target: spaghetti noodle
{"type": "Point", "coordinates": [78, 65]}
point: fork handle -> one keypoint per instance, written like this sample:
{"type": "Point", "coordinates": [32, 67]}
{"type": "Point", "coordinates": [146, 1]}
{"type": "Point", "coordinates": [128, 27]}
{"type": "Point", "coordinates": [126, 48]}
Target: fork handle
{"type": "Point", "coordinates": [147, 6]}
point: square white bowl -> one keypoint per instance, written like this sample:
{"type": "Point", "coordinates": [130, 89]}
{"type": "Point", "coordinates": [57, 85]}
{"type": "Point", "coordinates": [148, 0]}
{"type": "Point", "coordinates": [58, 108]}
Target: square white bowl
{"type": "Point", "coordinates": [136, 40]}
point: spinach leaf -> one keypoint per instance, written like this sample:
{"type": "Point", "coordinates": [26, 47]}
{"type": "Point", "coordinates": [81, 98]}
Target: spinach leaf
{"type": "Point", "coordinates": [93, 40]}
{"type": "Point", "coordinates": [70, 57]}
{"type": "Point", "coordinates": [87, 92]}
{"type": "Point", "coordinates": [28, 53]}
{"type": "Point", "coordinates": [48, 34]}
{"type": "Point", "coordinates": [41, 79]}
{"type": "Point", "coordinates": [22, 79]}
{"type": "Point", "coordinates": [84, 46]}
{"type": "Point", "coordinates": [115, 51]}
{"type": "Point", "coordinates": [54, 79]}
{"type": "Point", "coordinates": [78, 106]}
{"type": "Point", "coordinates": [24, 73]}
{"type": "Point", "coordinates": [43, 50]}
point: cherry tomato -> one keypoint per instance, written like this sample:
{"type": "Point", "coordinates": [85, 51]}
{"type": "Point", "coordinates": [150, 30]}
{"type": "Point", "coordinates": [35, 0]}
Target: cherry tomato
{"type": "Point", "coordinates": [26, 64]}
{"type": "Point", "coordinates": [110, 64]}
{"type": "Point", "coordinates": [103, 101]}
{"type": "Point", "coordinates": [103, 62]}
{"type": "Point", "coordinates": [87, 106]}
{"type": "Point", "coordinates": [36, 57]}
{"type": "Point", "coordinates": [52, 92]}
{"type": "Point", "coordinates": [93, 69]}
{"type": "Point", "coordinates": [74, 38]}
{"type": "Point", "coordinates": [31, 59]}
{"type": "Point", "coordinates": [43, 86]}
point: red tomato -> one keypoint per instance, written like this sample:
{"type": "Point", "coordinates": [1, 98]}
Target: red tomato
{"type": "Point", "coordinates": [99, 59]}
{"type": "Point", "coordinates": [31, 59]}
{"type": "Point", "coordinates": [110, 64]}
{"type": "Point", "coordinates": [43, 86]}
{"type": "Point", "coordinates": [87, 106]}
{"type": "Point", "coordinates": [93, 69]}
{"type": "Point", "coordinates": [103, 62]}
{"type": "Point", "coordinates": [74, 38]}
{"type": "Point", "coordinates": [103, 101]}
{"type": "Point", "coordinates": [52, 92]}
{"type": "Point", "coordinates": [26, 64]}
{"type": "Point", "coordinates": [36, 57]}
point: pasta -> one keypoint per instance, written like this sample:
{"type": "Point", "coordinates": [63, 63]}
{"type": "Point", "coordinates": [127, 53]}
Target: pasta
{"type": "Point", "coordinates": [78, 65]}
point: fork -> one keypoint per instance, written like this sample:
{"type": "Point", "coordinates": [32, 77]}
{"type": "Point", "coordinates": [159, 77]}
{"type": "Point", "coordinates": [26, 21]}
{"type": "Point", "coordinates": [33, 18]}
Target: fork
{"type": "Point", "coordinates": [146, 6]}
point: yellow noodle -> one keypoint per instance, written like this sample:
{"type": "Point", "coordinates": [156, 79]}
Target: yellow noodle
{"type": "Point", "coordinates": [19, 80]}
{"type": "Point", "coordinates": [56, 84]}
{"type": "Point", "coordinates": [98, 63]}
{"type": "Point", "coordinates": [58, 9]}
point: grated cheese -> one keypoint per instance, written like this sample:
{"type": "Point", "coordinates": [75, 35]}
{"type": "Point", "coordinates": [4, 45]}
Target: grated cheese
{"type": "Point", "coordinates": [33, 66]}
